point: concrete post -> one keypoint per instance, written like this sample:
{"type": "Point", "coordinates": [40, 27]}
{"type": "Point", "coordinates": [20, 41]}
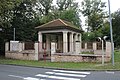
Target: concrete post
{"type": "Point", "coordinates": [40, 40]}
{"type": "Point", "coordinates": [20, 46]}
{"type": "Point", "coordinates": [94, 46]}
{"type": "Point", "coordinates": [85, 45]}
{"type": "Point", "coordinates": [108, 49]}
{"type": "Point", "coordinates": [65, 42]}
{"type": "Point", "coordinates": [7, 46]}
{"type": "Point", "coordinates": [36, 51]}
{"type": "Point", "coordinates": [77, 44]}
{"type": "Point", "coordinates": [23, 46]}
{"type": "Point", "coordinates": [71, 42]}
{"type": "Point", "coordinates": [47, 42]}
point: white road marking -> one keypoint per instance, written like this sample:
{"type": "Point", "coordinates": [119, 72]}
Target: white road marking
{"type": "Point", "coordinates": [109, 72]}
{"type": "Point", "coordinates": [16, 76]}
{"type": "Point", "coordinates": [25, 78]}
{"type": "Point", "coordinates": [64, 74]}
{"type": "Point", "coordinates": [30, 78]}
{"type": "Point", "coordinates": [56, 77]}
{"type": "Point", "coordinates": [77, 72]}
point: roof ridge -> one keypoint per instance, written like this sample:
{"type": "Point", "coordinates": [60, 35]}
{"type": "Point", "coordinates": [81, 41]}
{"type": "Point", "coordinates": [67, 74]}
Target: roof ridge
{"type": "Point", "coordinates": [63, 22]}
{"type": "Point", "coordinates": [47, 23]}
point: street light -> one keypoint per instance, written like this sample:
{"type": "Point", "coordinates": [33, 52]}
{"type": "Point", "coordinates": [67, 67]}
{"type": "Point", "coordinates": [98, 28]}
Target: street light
{"type": "Point", "coordinates": [111, 35]}
{"type": "Point", "coordinates": [102, 40]}
{"type": "Point", "coordinates": [0, 29]}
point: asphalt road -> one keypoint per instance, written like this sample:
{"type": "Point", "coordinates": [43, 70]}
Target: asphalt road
{"type": "Point", "coordinates": [10, 72]}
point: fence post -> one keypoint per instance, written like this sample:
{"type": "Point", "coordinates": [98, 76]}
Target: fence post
{"type": "Point", "coordinates": [20, 46]}
{"type": "Point", "coordinates": [7, 46]}
{"type": "Point", "coordinates": [108, 49]}
{"type": "Point", "coordinates": [36, 50]}
{"type": "Point", "coordinates": [85, 45]}
{"type": "Point", "coordinates": [94, 46]}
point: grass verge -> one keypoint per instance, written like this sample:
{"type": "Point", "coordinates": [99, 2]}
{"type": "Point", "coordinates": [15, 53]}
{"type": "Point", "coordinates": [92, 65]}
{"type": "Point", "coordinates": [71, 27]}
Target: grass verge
{"type": "Point", "coordinates": [66, 65]}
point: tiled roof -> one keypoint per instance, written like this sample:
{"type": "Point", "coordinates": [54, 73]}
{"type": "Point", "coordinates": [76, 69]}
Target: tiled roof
{"type": "Point", "coordinates": [58, 23]}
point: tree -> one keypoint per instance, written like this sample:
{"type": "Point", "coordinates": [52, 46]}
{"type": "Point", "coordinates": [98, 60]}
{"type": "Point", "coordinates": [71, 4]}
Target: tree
{"type": "Point", "coordinates": [94, 11]}
{"type": "Point", "coordinates": [23, 21]}
{"type": "Point", "coordinates": [43, 6]}
{"type": "Point", "coordinates": [66, 9]}
{"type": "Point", "coordinates": [6, 13]}
{"type": "Point", "coordinates": [116, 27]}
{"type": "Point", "coordinates": [66, 4]}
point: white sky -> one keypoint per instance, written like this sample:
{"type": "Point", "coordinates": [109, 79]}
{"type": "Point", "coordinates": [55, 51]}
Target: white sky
{"type": "Point", "coordinates": [114, 5]}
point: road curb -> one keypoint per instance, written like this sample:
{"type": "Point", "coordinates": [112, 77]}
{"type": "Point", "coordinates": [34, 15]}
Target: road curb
{"type": "Point", "coordinates": [62, 68]}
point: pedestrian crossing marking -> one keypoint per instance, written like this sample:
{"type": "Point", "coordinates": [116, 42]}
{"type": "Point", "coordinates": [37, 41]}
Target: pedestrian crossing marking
{"type": "Point", "coordinates": [64, 74]}
{"type": "Point", "coordinates": [56, 77]}
{"type": "Point", "coordinates": [77, 72]}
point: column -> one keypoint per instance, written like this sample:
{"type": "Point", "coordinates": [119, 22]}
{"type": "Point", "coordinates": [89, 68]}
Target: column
{"type": "Point", "coordinates": [40, 41]}
{"type": "Point", "coordinates": [47, 42]}
{"type": "Point", "coordinates": [77, 44]}
{"type": "Point", "coordinates": [75, 39]}
{"type": "Point", "coordinates": [65, 42]}
{"type": "Point", "coordinates": [79, 39]}
{"type": "Point", "coordinates": [71, 42]}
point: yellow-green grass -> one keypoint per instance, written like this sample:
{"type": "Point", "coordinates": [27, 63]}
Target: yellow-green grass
{"type": "Point", "coordinates": [66, 65]}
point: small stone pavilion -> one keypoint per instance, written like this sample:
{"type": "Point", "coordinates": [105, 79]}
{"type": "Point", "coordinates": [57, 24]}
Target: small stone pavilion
{"type": "Point", "coordinates": [59, 36]}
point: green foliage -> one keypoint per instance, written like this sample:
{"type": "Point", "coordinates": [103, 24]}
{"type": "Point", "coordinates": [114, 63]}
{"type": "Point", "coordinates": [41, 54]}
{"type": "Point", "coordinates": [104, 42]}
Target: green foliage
{"type": "Point", "coordinates": [66, 10]}
{"type": "Point", "coordinates": [116, 28]}
{"type": "Point", "coordinates": [94, 11]}
{"type": "Point", "coordinates": [6, 13]}
{"type": "Point", "coordinates": [25, 15]}
{"type": "Point", "coordinates": [88, 36]}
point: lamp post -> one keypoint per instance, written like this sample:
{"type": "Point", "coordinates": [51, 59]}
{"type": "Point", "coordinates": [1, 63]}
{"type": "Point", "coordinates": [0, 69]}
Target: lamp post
{"type": "Point", "coordinates": [102, 49]}
{"type": "Point", "coordinates": [103, 55]}
{"type": "Point", "coordinates": [0, 29]}
{"type": "Point", "coordinates": [14, 35]}
{"type": "Point", "coordinates": [111, 35]}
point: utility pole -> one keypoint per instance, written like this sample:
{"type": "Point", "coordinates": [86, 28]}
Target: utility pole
{"type": "Point", "coordinates": [111, 35]}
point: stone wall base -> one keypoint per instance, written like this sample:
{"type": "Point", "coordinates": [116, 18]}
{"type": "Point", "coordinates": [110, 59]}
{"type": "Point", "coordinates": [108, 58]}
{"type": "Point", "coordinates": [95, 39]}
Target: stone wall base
{"type": "Point", "coordinates": [20, 55]}
{"type": "Point", "coordinates": [78, 58]}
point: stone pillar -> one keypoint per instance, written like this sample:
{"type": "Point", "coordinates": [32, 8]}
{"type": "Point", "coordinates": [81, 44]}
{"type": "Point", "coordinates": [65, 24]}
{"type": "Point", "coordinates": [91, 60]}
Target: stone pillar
{"type": "Point", "coordinates": [77, 44]}
{"type": "Point", "coordinates": [20, 46]}
{"type": "Point", "coordinates": [94, 46]}
{"type": "Point", "coordinates": [48, 42]}
{"type": "Point", "coordinates": [23, 46]}
{"type": "Point", "coordinates": [71, 42]}
{"type": "Point", "coordinates": [85, 45]}
{"type": "Point", "coordinates": [7, 46]}
{"type": "Point", "coordinates": [77, 47]}
{"type": "Point", "coordinates": [108, 49]}
{"type": "Point", "coordinates": [36, 51]}
{"type": "Point", "coordinates": [40, 40]}
{"type": "Point", "coordinates": [79, 39]}
{"type": "Point", "coordinates": [65, 42]}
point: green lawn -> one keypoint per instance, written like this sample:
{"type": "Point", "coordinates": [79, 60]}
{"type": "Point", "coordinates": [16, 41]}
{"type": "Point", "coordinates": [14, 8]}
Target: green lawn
{"type": "Point", "coordinates": [66, 65]}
